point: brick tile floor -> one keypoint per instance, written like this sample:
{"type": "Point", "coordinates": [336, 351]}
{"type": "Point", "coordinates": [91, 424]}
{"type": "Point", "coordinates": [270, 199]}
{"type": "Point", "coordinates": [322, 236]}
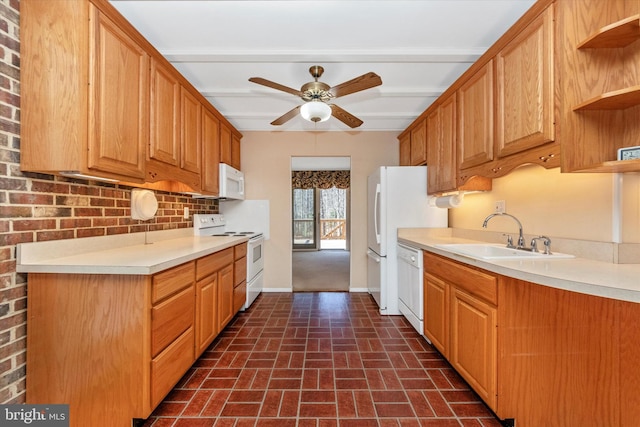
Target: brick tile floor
{"type": "Point", "coordinates": [323, 359]}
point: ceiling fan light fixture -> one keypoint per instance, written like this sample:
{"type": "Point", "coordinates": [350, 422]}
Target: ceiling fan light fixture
{"type": "Point", "coordinates": [315, 111]}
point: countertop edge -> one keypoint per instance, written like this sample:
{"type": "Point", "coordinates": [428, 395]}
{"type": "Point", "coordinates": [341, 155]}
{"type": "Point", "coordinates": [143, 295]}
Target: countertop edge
{"type": "Point", "coordinates": [131, 259]}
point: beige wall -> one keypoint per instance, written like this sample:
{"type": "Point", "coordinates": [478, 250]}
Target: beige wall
{"type": "Point", "coordinates": [574, 206]}
{"type": "Point", "coordinates": [266, 160]}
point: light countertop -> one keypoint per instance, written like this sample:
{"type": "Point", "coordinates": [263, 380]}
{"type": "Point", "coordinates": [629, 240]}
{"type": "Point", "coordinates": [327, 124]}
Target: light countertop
{"type": "Point", "coordinates": [616, 281]}
{"type": "Point", "coordinates": [122, 254]}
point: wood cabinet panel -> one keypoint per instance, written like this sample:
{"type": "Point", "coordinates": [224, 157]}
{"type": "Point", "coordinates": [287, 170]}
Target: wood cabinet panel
{"type": "Point", "coordinates": [164, 144]}
{"type": "Point", "coordinates": [436, 313]}
{"type": "Point", "coordinates": [225, 296]}
{"type": "Point", "coordinates": [239, 296]}
{"type": "Point", "coordinates": [171, 365]}
{"type": "Point", "coordinates": [441, 151]}
{"type": "Point", "coordinates": [475, 281]}
{"type": "Point", "coordinates": [118, 101]}
{"type": "Point", "coordinates": [210, 264]}
{"type": "Point", "coordinates": [170, 318]}
{"type": "Point", "coordinates": [171, 281]}
{"type": "Point", "coordinates": [191, 131]}
{"type": "Point", "coordinates": [525, 88]}
{"type": "Point", "coordinates": [206, 312]}
{"type": "Point", "coordinates": [225, 145]}
{"type": "Point", "coordinates": [473, 349]}
{"type": "Point", "coordinates": [419, 144]}
{"type": "Point", "coordinates": [475, 118]}
{"type": "Point", "coordinates": [405, 149]}
{"type": "Point", "coordinates": [561, 358]}
{"type": "Point", "coordinates": [239, 271]}
{"type": "Point", "coordinates": [210, 152]}
{"type": "Point", "coordinates": [235, 152]}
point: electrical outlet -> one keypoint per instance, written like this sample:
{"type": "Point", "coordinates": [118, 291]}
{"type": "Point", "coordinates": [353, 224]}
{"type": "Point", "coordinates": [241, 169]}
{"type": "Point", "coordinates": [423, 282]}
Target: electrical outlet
{"type": "Point", "coordinates": [500, 206]}
{"type": "Point", "coordinates": [185, 214]}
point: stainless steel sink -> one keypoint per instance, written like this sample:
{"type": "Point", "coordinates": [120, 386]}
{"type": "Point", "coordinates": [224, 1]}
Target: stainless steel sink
{"type": "Point", "coordinates": [497, 251]}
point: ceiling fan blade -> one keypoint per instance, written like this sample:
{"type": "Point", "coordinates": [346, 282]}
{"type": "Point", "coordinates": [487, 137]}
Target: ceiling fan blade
{"type": "Point", "coordinates": [363, 82]}
{"type": "Point", "coordinates": [286, 117]}
{"type": "Point", "coordinates": [345, 117]}
{"type": "Point", "coordinates": [273, 85]}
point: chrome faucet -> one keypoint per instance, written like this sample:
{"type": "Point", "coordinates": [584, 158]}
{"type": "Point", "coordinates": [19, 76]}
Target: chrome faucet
{"type": "Point", "coordinates": [521, 244]}
{"type": "Point", "coordinates": [545, 241]}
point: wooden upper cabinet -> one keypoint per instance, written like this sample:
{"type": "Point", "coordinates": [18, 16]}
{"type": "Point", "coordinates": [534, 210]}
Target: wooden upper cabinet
{"type": "Point", "coordinates": [164, 144]}
{"type": "Point", "coordinates": [229, 147]}
{"type": "Point", "coordinates": [118, 99]}
{"type": "Point", "coordinates": [419, 144]}
{"type": "Point", "coordinates": [191, 132]}
{"type": "Point", "coordinates": [475, 118]}
{"type": "Point", "coordinates": [210, 152]}
{"type": "Point", "coordinates": [441, 147]}
{"type": "Point", "coordinates": [225, 144]}
{"type": "Point", "coordinates": [235, 151]}
{"type": "Point", "coordinates": [404, 143]}
{"type": "Point", "coordinates": [524, 88]}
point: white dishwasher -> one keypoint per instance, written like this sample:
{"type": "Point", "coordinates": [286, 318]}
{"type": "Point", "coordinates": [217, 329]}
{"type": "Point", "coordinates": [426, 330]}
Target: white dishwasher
{"type": "Point", "coordinates": [410, 286]}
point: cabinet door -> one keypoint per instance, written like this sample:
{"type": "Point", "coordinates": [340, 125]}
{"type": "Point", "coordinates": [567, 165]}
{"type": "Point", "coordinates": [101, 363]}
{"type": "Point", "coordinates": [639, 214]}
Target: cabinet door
{"type": "Point", "coordinates": [473, 351]}
{"type": "Point", "coordinates": [191, 132]}
{"type": "Point", "coordinates": [436, 312]}
{"type": "Point", "coordinates": [164, 144]}
{"type": "Point", "coordinates": [206, 312]}
{"type": "Point", "coordinates": [235, 152]}
{"type": "Point", "coordinates": [405, 150]}
{"type": "Point", "coordinates": [441, 147]}
{"type": "Point", "coordinates": [210, 152]}
{"type": "Point", "coordinates": [225, 145]}
{"type": "Point", "coordinates": [524, 88]}
{"type": "Point", "coordinates": [419, 144]}
{"type": "Point", "coordinates": [475, 118]}
{"type": "Point", "coordinates": [118, 100]}
{"type": "Point", "coordinates": [225, 296]}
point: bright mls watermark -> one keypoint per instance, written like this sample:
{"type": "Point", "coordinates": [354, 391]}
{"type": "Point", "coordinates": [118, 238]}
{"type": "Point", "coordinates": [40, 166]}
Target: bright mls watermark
{"type": "Point", "coordinates": [34, 415]}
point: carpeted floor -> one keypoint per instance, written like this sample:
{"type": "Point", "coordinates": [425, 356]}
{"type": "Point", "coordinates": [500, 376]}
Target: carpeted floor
{"type": "Point", "coordinates": [325, 270]}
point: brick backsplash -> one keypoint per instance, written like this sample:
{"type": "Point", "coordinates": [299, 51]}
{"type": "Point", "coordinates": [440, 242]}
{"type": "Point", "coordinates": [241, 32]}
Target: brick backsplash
{"type": "Point", "coordinates": [38, 207]}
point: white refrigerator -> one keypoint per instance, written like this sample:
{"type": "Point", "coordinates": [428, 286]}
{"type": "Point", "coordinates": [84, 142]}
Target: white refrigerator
{"type": "Point", "coordinates": [397, 198]}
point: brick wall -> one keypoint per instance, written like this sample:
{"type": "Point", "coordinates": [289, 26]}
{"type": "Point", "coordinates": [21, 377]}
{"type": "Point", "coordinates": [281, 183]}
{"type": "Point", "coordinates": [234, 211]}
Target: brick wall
{"type": "Point", "coordinates": [36, 207]}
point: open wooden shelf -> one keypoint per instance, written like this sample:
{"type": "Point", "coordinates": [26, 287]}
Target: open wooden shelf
{"type": "Point", "coordinates": [615, 100]}
{"type": "Point", "coordinates": [614, 166]}
{"type": "Point", "coordinates": [618, 34]}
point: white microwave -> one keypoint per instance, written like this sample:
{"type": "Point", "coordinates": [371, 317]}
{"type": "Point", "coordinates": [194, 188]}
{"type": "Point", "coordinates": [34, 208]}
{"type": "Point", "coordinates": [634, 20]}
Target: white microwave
{"type": "Point", "coordinates": [231, 183]}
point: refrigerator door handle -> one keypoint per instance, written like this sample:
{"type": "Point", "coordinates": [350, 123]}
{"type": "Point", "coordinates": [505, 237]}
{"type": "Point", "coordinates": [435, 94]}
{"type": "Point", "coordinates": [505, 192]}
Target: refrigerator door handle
{"type": "Point", "coordinates": [376, 212]}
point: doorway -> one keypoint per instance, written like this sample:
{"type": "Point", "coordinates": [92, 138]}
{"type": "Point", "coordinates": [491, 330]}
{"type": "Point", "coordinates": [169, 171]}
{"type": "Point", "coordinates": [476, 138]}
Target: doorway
{"type": "Point", "coordinates": [320, 218]}
{"type": "Point", "coordinates": [320, 200]}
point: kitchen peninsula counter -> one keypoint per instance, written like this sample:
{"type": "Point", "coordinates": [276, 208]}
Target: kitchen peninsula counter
{"type": "Point", "coordinates": [121, 254]}
{"type": "Point", "coordinates": [598, 278]}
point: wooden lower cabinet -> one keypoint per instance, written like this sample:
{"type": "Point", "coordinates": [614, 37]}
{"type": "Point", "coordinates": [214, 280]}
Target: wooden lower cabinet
{"type": "Point", "coordinates": [473, 349]}
{"type": "Point", "coordinates": [239, 276]}
{"type": "Point", "coordinates": [112, 346]}
{"type": "Point", "coordinates": [461, 321]}
{"type": "Point", "coordinates": [535, 354]}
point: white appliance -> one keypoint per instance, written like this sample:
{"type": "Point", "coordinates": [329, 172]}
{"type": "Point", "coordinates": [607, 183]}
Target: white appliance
{"type": "Point", "coordinates": [215, 225]}
{"type": "Point", "coordinates": [231, 183]}
{"type": "Point", "coordinates": [397, 198]}
{"type": "Point", "coordinates": [411, 285]}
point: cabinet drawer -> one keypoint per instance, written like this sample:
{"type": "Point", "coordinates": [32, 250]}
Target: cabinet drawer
{"type": "Point", "coordinates": [239, 296]}
{"type": "Point", "coordinates": [240, 250]}
{"type": "Point", "coordinates": [477, 282]}
{"type": "Point", "coordinates": [240, 271]}
{"type": "Point", "coordinates": [170, 366]}
{"type": "Point", "coordinates": [171, 281]}
{"type": "Point", "coordinates": [214, 262]}
{"type": "Point", "coordinates": [171, 318]}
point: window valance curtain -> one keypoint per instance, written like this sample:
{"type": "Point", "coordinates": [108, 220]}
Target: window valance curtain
{"type": "Point", "coordinates": [320, 179]}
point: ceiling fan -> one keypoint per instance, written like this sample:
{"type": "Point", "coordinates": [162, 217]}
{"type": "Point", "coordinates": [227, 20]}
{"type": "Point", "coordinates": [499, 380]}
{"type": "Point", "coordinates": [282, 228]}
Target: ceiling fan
{"type": "Point", "coordinates": [317, 94]}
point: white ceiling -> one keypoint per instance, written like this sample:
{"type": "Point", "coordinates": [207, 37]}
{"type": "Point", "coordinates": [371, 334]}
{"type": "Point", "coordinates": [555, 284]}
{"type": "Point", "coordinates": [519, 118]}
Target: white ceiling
{"type": "Point", "coordinates": [417, 47]}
